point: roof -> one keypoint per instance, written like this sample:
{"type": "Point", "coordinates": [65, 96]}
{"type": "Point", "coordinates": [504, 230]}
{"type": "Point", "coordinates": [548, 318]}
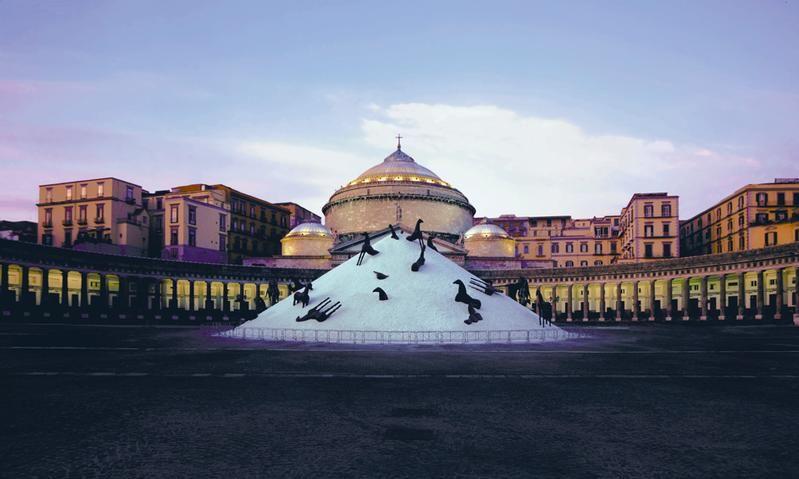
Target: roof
{"type": "Point", "coordinates": [398, 166]}
{"type": "Point", "coordinates": [309, 229]}
{"type": "Point", "coordinates": [90, 179]}
{"type": "Point", "coordinates": [486, 230]}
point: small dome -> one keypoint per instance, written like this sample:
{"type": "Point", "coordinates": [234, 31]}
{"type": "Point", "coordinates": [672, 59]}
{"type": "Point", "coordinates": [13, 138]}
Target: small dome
{"type": "Point", "coordinates": [485, 231]}
{"type": "Point", "coordinates": [310, 229]}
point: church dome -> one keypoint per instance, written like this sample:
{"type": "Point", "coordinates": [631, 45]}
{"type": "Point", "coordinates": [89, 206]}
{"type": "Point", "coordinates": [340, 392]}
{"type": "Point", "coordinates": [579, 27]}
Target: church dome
{"type": "Point", "coordinates": [309, 229]}
{"type": "Point", "coordinates": [486, 231]}
{"type": "Point", "coordinates": [398, 191]}
{"type": "Point", "coordinates": [398, 166]}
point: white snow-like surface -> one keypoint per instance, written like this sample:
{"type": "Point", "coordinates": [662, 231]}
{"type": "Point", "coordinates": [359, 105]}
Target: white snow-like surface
{"type": "Point", "coordinates": [420, 303]}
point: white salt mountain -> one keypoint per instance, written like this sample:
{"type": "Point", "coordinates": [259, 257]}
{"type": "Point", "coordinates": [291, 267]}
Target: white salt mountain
{"type": "Point", "coordinates": [420, 307]}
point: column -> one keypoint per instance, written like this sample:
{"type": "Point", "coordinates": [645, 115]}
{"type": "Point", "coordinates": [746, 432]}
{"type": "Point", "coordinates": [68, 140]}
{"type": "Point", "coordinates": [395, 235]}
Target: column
{"type": "Point", "coordinates": [45, 287]}
{"type": "Point", "coordinates": [103, 291]}
{"type": "Point", "coordinates": [191, 295]}
{"type": "Point", "coordinates": [123, 293]}
{"type": "Point", "coordinates": [225, 302]}
{"type": "Point", "coordinates": [796, 297]}
{"type": "Point", "coordinates": [602, 307]}
{"type": "Point", "coordinates": [25, 285]}
{"type": "Point", "coordinates": [703, 298]}
{"type": "Point", "coordinates": [652, 299]}
{"type": "Point", "coordinates": [741, 296]}
{"type": "Point", "coordinates": [209, 303]}
{"type": "Point", "coordinates": [760, 291]}
{"type": "Point", "coordinates": [64, 288]}
{"type": "Point", "coordinates": [158, 293]}
{"type": "Point", "coordinates": [3, 281]}
{"type": "Point", "coordinates": [554, 302]}
{"type": "Point", "coordinates": [686, 299]}
{"type": "Point", "coordinates": [586, 309]}
{"type": "Point", "coordinates": [569, 302]}
{"type": "Point", "coordinates": [636, 306]}
{"type": "Point", "coordinates": [668, 298]}
{"type": "Point", "coordinates": [723, 297]}
{"type": "Point", "coordinates": [243, 298]}
{"type": "Point", "coordinates": [84, 289]}
{"type": "Point", "coordinates": [618, 301]}
{"type": "Point", "coordinates": [173, 303]}
{"type": "Point", "coordinates": [778, 302]}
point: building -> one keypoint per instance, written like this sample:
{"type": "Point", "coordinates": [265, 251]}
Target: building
{"type": "Point", "coordinates": [256, 226]}
{"type": "Point", "coordinates": [195, 228]}
{"type": "Point", "coordinates": [754, 216]}
{"type": "Point", "coordinates": [18, 230]}
{"type": "Point", "coordinates": [398, 191]}
{"type": "Point", "coordinates": [299, 215]}
{"type": "Point", "coordinates": [101, 214]}
{"type": "Point", "coordinates": [649, 228]}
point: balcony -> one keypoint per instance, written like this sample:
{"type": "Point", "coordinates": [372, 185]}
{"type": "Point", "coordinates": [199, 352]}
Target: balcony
{"type": "Point", "coordinates": [47, 224]}
{"type": "Point", "coordinates": [82, 221]}
{"type": "Point", "coordinates": [67, 222]}
{"type": "Point", "coordinates": [99, 220]}
{"type": "Point", "coordinates": [130, 201]}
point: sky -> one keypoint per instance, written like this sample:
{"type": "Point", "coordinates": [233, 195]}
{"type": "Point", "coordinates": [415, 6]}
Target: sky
{"type": "Point", "coordinates": [530, 108]}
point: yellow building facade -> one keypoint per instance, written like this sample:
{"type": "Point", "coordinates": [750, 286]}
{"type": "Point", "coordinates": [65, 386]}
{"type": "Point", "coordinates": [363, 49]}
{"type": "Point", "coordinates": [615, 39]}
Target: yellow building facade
{"type": "Point", "coordinates": [100, 213]}
{"type": "Point", "coordinates": [649, 228]}
{"type": "Point", "coordinates": [754, 216]}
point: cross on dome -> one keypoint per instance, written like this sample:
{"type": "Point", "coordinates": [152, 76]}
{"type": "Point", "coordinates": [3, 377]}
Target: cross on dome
{"type": "Point", "coordinates": [399, 145]}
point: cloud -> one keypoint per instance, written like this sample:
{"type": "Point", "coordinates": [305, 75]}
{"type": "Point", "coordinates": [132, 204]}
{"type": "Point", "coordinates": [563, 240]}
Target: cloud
{"type": "Point", "coordinates": [506, 162]}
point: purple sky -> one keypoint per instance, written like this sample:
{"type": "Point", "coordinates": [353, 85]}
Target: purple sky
{"type": "Point", "coordinates": [530, 108]}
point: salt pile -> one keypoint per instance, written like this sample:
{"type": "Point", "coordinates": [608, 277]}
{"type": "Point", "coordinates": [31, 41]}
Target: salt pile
{"type": "Point", "coordinates": [420, 307]}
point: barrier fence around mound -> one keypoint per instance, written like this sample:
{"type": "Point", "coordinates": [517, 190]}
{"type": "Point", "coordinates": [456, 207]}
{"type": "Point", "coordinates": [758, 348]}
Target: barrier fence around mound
{"type": "Point", "coordinates": [336, 336]}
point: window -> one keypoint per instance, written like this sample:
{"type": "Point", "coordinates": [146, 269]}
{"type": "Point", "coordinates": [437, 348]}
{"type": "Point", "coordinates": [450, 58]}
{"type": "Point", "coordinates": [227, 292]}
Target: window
{"type": "Point", "coordinates": [100, 216]}
{"type": "Point", "coordinates": [648, 231]}
{"type": "Point", "coordinates": [48, 195]}
{"type": "Point", "coordinates": [159, 203]}
{"type": "Point", "coordinates": [740, 220]}
{"type": "Point", "coordinates": [555, 247]}
{"type": "Point", "coordinates": [47, 239]}
{"type": "Point", "coordinates": [192, 237]}
{"type": "Point", "coordinates": [771, 238]}
{"type": "Point", "coordinates": [729, 225]}
{"type": "Point", "coordinates": [613, 248]}
{"type": "Point", "coordinates": [583, 247]}
{"type": "Point", "coordinates": [541, 249]}
{"type": "Point", "coordinates": [252, 211]}
{"type": "Point", "coordinates": [173, 213]}
{"type": "Point", "coordinates": [252, 229]}
{"type": "Point", "coordinates": [68, 238]}
{"type": "Point", "coordinates": [526, 249]}
{"type": "Point", "coordinates": [598, 262]}
{"type": "Point", "coordinates": [173, 236]}
{"type": "Point", "coordinates": [583, 263]}
{"type": "Point", "coordinates": [235, 224]}
{"type": "Point", "coordinates": [569, 248]}
{"type": "Point", "coordinates": [729, 207]}
{"type": "Point", "coordinates": [222, 222]}
{"type": "Point", "coordinates": [597, 248]}
{"type": "Point", "coordinates": [780, 215]}
{"type": "Point", "coordinates": [222, 242]}
{"type": "Point", "coordinates": [741, 243]}
{"type": "Point", "coordinates": [128, 193]}
{"type": "Point", "coordinates": [796, 235]}
{"type": "Point", "coordinates": [666, 229]}
{"type": "Point", "coordinates": [48, 217]}
{"type": "Point", "coordinates": [69, 193]}
{"type": "Point", "coordinates": [667, 250]}
{"type": "Point", "coordinates": [101, 189]}
{"type": "Point", "coordinates": [68, 214]}
{"type": "Point", "coordinates": [648, 250]}
{"type": "Point", "coordinates": [569, 264]}
{"type": "Point", "coordinates": [192, 215]}
{"type": "Point", "coordinates": [648, 211]}
{"type": "Point", "coordinates": [761, 218]}
{"type": "Point", "coordinates": [665, 209]}
{"type": "Point", "coordinates": [82, 214]}
{"type": "Point", "coordinates": [781, 199]}
{"type": "Point", "coordinates": [729, 244]}
{"type": "Point", "coordinates": [83, 192]}
{"type": "Point", "coordinates": [796, 199]}
{"type": "Point", "coordinates": [761, 199]}
{"type": "Point", "coordinates": [718, 214]}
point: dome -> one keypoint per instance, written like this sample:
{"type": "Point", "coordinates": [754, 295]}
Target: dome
{"type": "Point", "coordinates": [486, 231]}
{"type": "Point", "coordinates": [309, 229]}
{"type": "Point", "coordinates": [398, 166]}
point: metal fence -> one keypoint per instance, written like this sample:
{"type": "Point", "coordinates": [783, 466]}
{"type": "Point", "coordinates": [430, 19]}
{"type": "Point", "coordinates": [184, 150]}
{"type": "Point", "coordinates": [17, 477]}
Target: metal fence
{"type": "Point", "coordinates": [402, 337]}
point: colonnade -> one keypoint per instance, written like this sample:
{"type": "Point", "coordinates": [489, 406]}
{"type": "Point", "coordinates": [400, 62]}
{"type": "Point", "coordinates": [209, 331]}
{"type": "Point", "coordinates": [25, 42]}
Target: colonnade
{"type": "Point", "coordinates": [759, 293]}
{"type": "Point", "coordinates": [41, 286]}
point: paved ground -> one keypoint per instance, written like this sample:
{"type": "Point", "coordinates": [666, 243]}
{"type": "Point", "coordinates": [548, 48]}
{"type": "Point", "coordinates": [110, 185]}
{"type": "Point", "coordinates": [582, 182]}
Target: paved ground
{"type": "Point", "coordinates": [641, 401]}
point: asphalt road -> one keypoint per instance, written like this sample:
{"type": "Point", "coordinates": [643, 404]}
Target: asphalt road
{"type": "Point", "coordinates": [640, 401]}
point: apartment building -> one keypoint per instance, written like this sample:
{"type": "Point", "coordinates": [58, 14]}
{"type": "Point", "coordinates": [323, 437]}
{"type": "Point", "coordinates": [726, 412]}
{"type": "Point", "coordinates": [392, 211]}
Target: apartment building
{"type": "Point", "coordinates": [299, 215]}
{"type": "Point", "coordinates": [649, 228]}
{"type": "Point", "coordinates": [101, 214]}
{"type": "Point", "coordinates": [754, 216]}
